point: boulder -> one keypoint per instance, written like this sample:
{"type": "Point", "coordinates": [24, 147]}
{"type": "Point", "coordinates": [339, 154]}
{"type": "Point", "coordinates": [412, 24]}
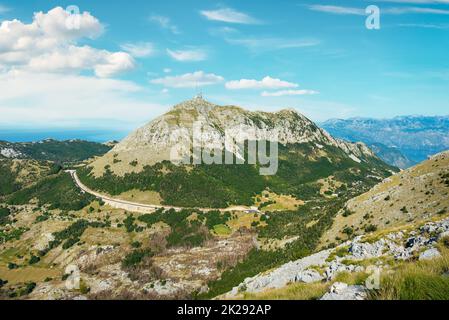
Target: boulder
{"type": "Point", "coordinates": [341, 291]}
{"type": "Point", "coordinates": [429, 254]}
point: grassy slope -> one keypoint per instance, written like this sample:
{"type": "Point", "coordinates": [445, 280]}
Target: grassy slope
{"type": "Point", "coordinates": [411, 195]}
{"type": "Point", "coordinates": [17, 174]}
{"type": "Point", "coordinates": [300, 167]}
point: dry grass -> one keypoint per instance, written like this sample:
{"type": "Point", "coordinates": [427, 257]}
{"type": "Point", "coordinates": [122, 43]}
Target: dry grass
{"type": "Point", "coordinates": [421, 280]}
{"type": "Point", "coordinates": [283, 202]}
{"type": "Point", "coordinates": [297, 291]}
{"type": "Point", "coordinates": [306, 291]}
{"type": "Point", "coordinates": [408, 197]}
{"type": "Point", "coordinates": [144, 197]}
{"type": "Point", "coordinates": [28, 274]}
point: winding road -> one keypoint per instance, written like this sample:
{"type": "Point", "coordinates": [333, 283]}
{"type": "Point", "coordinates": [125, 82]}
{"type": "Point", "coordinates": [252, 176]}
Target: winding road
{"type": "Point", "coordinates": [140, 207]}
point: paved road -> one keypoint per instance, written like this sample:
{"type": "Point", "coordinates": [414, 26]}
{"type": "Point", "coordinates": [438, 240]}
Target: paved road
{"type": "Point", "coordinates": [140, 207]}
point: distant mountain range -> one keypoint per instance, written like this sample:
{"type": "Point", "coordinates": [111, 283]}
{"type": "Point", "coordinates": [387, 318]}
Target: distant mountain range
{"type": "Point", "coordinates": [54, 150]}
{"type": "Point", "coordinates": [400, 141]}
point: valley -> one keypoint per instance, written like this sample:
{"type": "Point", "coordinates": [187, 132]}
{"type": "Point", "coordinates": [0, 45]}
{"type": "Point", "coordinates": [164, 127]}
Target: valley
{"type": "Point", "coordinates": [127, 223]}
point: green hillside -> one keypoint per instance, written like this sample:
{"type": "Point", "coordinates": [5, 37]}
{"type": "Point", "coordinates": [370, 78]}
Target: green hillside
{"type": "Point", "coordinates": [219, 186]}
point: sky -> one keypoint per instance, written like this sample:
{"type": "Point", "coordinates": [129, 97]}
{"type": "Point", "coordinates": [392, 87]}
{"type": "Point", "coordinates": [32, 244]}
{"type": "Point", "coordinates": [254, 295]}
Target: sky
{"type": "Point", "coordinates": [118, 64]}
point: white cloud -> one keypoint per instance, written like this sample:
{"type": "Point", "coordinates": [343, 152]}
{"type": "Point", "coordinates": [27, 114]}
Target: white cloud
{"type": "Point", "coordinates": [265, 83]}
{"type": "Point", "coordinates": [165, 23]}
{"type": "Point", "coordinates": [66, 100]}
{"type": "Point", "coordinates": [398, 10]}
{"type": "Point", "coordinates": [424, 25]}
{"type": "Point", "coordinates": [288, 93]}
{"type": "Point", "coordinates": [188, 55]}
{"type": "Point", "coordinates": [228, 15]}
{"type": "Point", "coordinates": [417, 10]}
{"type": "Point", "coordinates": [48, 45]}
{"type": "Point", "coordinates": [338, 10]}
{"type": "Point", "coordinates": [140, 49]}
{"type": "Point", "coordinates": [167, 70]}
{"type": "Point", "coordinates": [269, 44]}
{"type": "Point", "coordinates": [189, 80]}
{"type": "Point", "coordinates": [418, 1]}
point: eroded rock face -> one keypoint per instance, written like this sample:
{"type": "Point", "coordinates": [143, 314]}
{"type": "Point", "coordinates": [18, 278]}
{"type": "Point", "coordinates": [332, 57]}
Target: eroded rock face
{"type": "Point", "coordinates": [153, 142]}
{"type": "Point", "coordinates": [296, 271]}
{"type": "Point", "coordinates": [395, 245]}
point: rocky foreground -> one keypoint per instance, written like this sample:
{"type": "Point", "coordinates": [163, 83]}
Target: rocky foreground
{"type": "Point", "coordinates": [369, 254]}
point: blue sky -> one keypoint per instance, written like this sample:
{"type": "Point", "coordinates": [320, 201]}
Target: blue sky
{"type": "Point", "coordinates": [129, 61]}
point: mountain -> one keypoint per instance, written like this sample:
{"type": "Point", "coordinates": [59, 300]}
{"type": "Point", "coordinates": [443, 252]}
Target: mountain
{"type": "Point", "coordinates": [415, 194]}
{"type": "Point", "coordinates": [307, 154]}
{"type": "Point", "coordinates": [389, 243]}
{"type": "Point", "coordinates": [391, 155]}
{"type": "Point", "coordinates": [214, 225]}
{"type": "Point", "coordinates": [416, 137]}
{"type": "Point", "coordinates": [53, 150]}
{"type": "Point", "coordinates": [16, 174]}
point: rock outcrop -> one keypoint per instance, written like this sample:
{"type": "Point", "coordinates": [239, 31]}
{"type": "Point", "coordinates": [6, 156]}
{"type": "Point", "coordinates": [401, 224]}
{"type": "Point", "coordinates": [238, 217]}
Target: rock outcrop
{"type": "Point", "coordinates": [347, 257]}
{"type": "Point", "coordinates": [153, 142]}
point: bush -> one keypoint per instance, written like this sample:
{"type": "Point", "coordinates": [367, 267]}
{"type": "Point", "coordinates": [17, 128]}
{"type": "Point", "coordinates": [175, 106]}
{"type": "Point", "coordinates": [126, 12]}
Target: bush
{"type": "Point", "coordinates": [348, 231]}
{"type": "Point", "coordinates": [34, 260]}
{"type": "Point", "coordinates": [134, 258]}
{"type": "Point", "coordinates": [12, 266]}
{"type": "Point", "coordinates": [4, 216]}
{"type": "Point", "coordinates": [370, 228]}
{"type": "Point", "coordinates": [347, 213]}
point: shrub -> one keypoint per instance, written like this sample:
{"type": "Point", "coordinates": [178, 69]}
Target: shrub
{"type": "Point", "coordinates": [370, 228]}
{"type": "Point", "coordinates": [134, 258]}
{"type": "Point", "coordinates": [347, 213]}
{"type": "Point", "coordinates": [34, 260]}
{"type": "Point", "coordinates": [12, 266]}
{"type": "Point", "coordinates": [348, 231]}
{"type": "Point", "coordinates": [136, 244]}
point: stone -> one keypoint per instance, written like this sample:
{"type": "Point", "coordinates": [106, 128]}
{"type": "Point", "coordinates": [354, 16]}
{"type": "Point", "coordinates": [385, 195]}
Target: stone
{"type": "Point", "coordinates": [429, 254]}
{"type": "Point", "coordinates": [342, 291]}
{"type": "Point", "coordinates": [309, 276]}
{"type": "Point", "coordinates": [443, 235]}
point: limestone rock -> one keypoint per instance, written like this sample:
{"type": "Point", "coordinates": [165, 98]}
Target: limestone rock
{"type": "Point", "coordinates": [341, 291]}
{"type": "Point", "coordinates": [429, 254]}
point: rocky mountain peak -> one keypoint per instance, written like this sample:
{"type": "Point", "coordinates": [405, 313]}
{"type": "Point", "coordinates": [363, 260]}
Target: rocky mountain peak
{"type": "Point", "coordinates": [198, 103]}
{"type": "Point", "coordinates": [153, 142]}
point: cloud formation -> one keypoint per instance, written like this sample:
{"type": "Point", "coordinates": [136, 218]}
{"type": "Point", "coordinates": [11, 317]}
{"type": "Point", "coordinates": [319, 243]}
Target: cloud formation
{"type": "Point", "coordinates": [270, 44]}
{"type": "Point", "coordinates": [165, 23]}
{"type": "Point", "coordinates": [341, 10]}
{"type": "Point", "coordinates": [288, 93]}
{"type": "Point", "coordinates": [187, 55]}
{"type": "Point", "coordinates": [228, 15]}
{"type": "Point", "coordinates": [338, 10]}
{"type": "Point", "coordinates": [266, 83]}
{"type": "Point", "coordinates": [140, 49]}
{"type": "Point", "coordinates": [49, 44]}
{"type": "Point", "coordinates": [51, 100]}
{"type": "Point", "coordinates": [189, 80]}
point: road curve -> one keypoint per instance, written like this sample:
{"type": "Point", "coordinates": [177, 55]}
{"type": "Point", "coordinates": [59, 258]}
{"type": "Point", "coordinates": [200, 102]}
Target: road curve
{"type": "Point", "coordinates": [140, 207]}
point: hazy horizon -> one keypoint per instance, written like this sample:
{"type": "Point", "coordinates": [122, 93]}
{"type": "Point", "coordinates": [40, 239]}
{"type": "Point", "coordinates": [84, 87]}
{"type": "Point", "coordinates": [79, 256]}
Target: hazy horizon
{"type": "Point", "coordinates": [110, 71]}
